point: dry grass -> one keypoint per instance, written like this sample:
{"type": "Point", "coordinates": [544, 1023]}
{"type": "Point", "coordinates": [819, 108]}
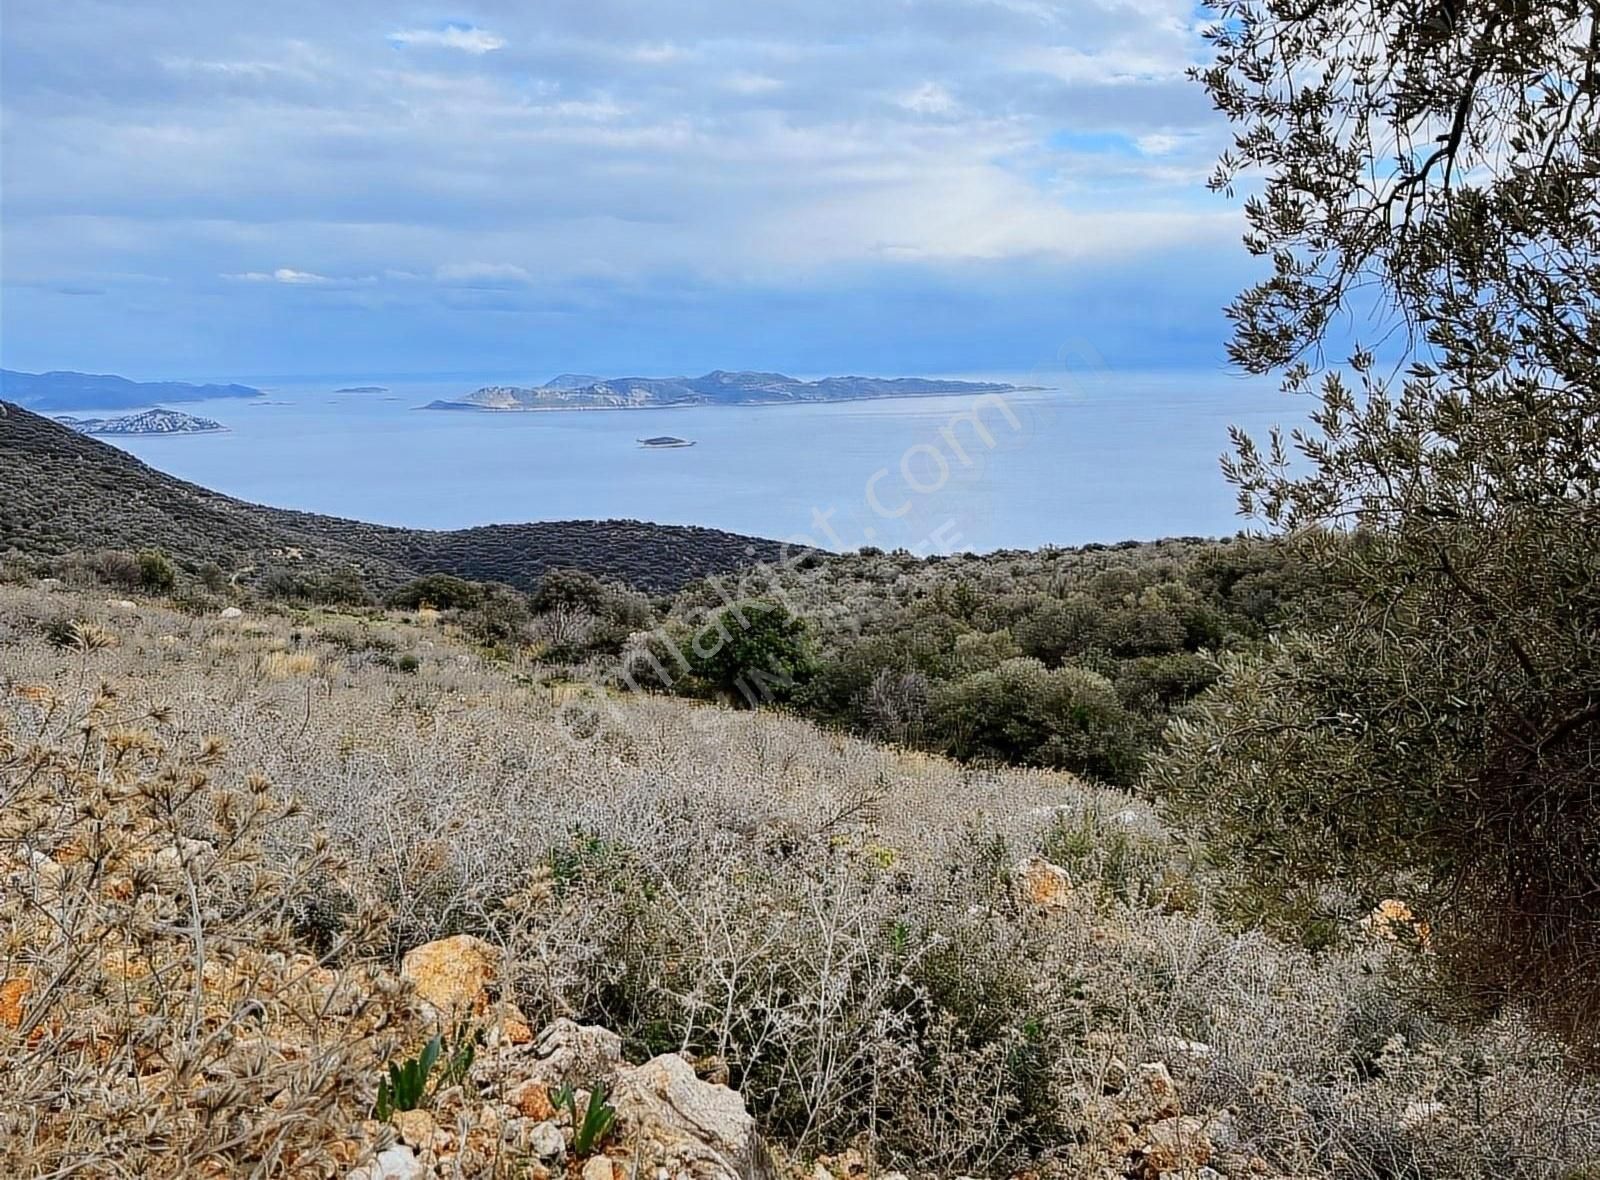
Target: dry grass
{"type": "Point", "coordinates": [835, 923]}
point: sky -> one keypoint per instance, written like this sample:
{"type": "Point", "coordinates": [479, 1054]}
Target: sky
{"type": "Point", "coordinates": [218, 190]}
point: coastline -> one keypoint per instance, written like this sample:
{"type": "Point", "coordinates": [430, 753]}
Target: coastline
{"type": "Point", "coordinates": [153, 433]}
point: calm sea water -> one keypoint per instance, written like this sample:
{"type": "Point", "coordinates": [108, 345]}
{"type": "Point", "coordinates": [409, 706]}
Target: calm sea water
{"type": "Point", "coordinates": [1101, 457]}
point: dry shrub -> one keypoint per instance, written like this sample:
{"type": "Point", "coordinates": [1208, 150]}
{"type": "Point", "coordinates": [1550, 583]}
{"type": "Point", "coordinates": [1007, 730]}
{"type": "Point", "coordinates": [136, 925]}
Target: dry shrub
{"type": "Point", "coordinates": [159, 1016]}
{"type": "Point", "coordinates": [836, 921]}
{"type": "Point", "coordinates": [286, 665]}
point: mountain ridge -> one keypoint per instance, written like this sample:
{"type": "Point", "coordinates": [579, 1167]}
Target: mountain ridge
{"type": "Point", "coordinates": [64, 389]}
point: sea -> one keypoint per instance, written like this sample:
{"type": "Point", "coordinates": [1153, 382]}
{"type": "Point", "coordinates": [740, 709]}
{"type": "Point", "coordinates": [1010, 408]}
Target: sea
{"type": "Point", "coordinates": [1092, 456]}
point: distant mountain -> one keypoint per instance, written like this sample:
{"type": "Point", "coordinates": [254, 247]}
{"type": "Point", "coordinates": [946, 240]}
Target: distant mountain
{"type": "Point", "coordinates": [62, 492]}
{"type": "Point", "coordinates": [720, 388]}
{"type": "Point", "coordinates": [102, 391]}
{"type": "Point", "coordinates": [157, 421]}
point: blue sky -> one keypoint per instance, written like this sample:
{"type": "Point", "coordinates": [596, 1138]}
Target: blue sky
{"type": "Point", "coordinates": [225, 190]}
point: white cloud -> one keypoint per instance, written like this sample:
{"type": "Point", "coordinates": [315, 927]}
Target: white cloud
{"type": "Point", "coordinates": [743, 83]}
{"type": "Point", "coordinates": [1157, 143]}
{"type": "Point", "coordinates": [481, 274]}
{"type": "Point", "coordinates": [929, 99]}
{"type": "Point", "coordinates": [282, 275]}
{"type": "Point", "coordinates": [658, 54]}
{"type": "Point", "coordinates": [463, 37]}
{"type": "Point", "coordinates": [594, 147]}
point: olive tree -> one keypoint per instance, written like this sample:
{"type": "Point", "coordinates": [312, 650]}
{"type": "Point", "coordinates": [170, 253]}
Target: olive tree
{"type": "Point", "coordinates": [1423, 180]}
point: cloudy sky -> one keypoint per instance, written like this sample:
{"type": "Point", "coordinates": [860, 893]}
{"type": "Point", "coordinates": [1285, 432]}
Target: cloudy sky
{"type": "Point", "coordinates": [221, 189]}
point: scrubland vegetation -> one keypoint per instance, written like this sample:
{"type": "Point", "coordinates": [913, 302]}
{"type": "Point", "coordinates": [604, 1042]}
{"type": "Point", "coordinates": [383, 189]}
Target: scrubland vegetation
{"type": "Point", "coordinates": [846, 931]}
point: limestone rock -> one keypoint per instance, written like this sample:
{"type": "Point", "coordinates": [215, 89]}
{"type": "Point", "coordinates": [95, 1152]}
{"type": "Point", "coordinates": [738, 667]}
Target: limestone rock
{"type": "Point", "coordinates": [231, 612]}
{"type": "Point", "coordinates": [547, 1142]}
{"type": "Point", "coordinates": [1044, 885]}
{"type": "Point", "coordinates": [514, 1027]}
{"type": "Point", "coordinates": [1175, 1145]}
{"type": "Point", "coordinates": [566, 1051]}
{"type": "Point", "coordinates": [1181, 1047]}
{"type": "Point", "coordinates": [173, 857]}
{"type": "Point", "coordinates": [532, 1100]}
{"type": "Point", "coordinates": [1417, 1113]}
{"type": "Point", "coordinates": [1151, 1095]}
{"type": "Point", "coordinates": [452, 975]}
{"type": "Point", "coordinates": [693, 1126]}
{"type": "Point", "coordinates": [397, 1163]}
{"type": "Point", "coordinates": [597, 1168]}
{"type": "Point", "coordinates": [13, 994]}
{"type": "Point", "coordinates": [415, 1127]}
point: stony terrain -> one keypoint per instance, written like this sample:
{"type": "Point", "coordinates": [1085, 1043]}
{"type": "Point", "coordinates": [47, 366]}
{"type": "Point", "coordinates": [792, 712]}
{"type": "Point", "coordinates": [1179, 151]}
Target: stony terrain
{"type": "Point", "coordinates": [255, 860]}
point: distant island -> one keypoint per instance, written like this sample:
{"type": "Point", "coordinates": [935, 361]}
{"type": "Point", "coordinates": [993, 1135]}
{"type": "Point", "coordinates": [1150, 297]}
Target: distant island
{"type": "Point", "coordinates": [363, 389]}
{"type": "Point", "coordinates": [157, 421]}
{"type": "Point", "coordinates": [665, 441]}
{"type": "Point", "coordinates": [80, 391]}
{"type": "Point", "coordinates": [721, 388]}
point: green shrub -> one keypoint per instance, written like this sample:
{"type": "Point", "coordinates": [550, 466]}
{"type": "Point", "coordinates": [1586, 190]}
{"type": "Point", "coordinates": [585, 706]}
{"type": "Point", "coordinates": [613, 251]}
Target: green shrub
{"type": "Point", "coordinates": [751, 653]}
{"type": "Point", "coordinates": [440, 591]}
{"type": "Point", "coordinates": [1023, 712]}
{"type": "Point", "coordinates": [569, 588]}
{"type": "Point", "coordinates": [156, 575]}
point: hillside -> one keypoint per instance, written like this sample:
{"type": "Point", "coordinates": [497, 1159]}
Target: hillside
{"type": "Point", "coordinates": [62, 492]}
{"type": "Point", "coordinates": [842, 959]}
{"type": "Point", "coordinates": [103, 391]}
{"type": "Point", "coordinates": [721, 388]}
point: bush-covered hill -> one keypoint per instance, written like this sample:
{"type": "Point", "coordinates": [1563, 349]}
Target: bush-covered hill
{"type": "Point", "coordinates": [61, 492]}
{"type": "Point", "coordinates": [894, 961]}
{"type": "Point", "coordinates": [1068, 658]}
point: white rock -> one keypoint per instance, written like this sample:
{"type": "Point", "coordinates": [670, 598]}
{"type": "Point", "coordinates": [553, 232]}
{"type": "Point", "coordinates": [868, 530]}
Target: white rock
{"type": "Point", "coordinates": [705, 1123]}
{"type": "Point", "coordinates": [231, 612]}
{"type": "Point", "coordinates": [1179, 1047]}
{"type": "Point", "coordinates": [572, 1052]}
{"type": "Point", "coordinates": [120, 604]}
{"type": "Point", "coordinates": [173, 857]}
{"type": "Point", "coordinates": [397, 1163]}
{"type": "Point", "coordinates": [547, 1142]}
{"type": "Point", "coordinates": [1418, 1113]}
{"type": "Point", "coordinates": [597, 1168]}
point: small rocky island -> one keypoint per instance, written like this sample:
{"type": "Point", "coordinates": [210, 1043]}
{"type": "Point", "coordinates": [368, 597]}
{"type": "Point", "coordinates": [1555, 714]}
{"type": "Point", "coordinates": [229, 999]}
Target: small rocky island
{"type": "Point", "coordinates": [721, 388]}
{"type": "Point", "coordinates": [665, 441]}
{"type": "Point", "coordinates": [156, 421]}
{"type": "Point", "coordinates": [363, 389]}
